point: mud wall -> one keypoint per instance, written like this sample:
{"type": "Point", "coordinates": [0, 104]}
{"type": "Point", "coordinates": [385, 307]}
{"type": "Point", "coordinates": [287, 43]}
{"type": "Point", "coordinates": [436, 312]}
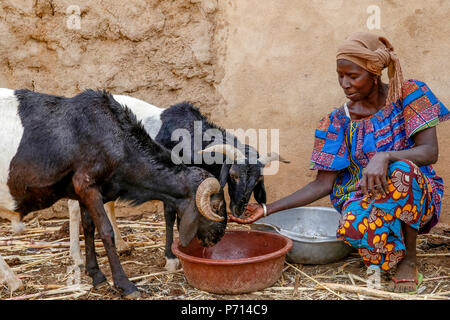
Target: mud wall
{"type": "Point", "coordinates": [159, 51]}
{"type": "Point", "coordinates": [246, 64]}
{"type": "Point", "coordinates": [280, 69]}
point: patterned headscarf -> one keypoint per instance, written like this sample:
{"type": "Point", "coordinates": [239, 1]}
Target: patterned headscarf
{"type": "Point", "coordinates": [374, 53]}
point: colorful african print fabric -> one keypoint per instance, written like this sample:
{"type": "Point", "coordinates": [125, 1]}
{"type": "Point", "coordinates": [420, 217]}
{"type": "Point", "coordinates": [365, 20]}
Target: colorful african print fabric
{"type": "Point", "coordinates": [347, 146]}
{"type": "Point", "coordinates": [374, 227]}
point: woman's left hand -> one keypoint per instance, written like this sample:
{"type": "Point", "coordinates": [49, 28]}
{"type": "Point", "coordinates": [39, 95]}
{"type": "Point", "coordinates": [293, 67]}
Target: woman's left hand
{"type": "Point", "coordinates": [252, 213]}
{"type": "Point", "coordinates": [374, 176]}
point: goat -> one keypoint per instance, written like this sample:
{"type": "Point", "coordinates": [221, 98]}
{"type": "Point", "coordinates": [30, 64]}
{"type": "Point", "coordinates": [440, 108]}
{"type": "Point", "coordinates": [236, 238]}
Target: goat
{"type": "Point", "coordinates": [242, 175]}
{"type": "Point", "coordinates": [93, 150]}
{"type": "Point", "coordinates": [242, 178]}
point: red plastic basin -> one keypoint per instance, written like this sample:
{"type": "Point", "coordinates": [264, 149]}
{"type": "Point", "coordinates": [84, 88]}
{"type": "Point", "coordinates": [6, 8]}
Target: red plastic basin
{"type": "Point", "coordinates": [243, 261]}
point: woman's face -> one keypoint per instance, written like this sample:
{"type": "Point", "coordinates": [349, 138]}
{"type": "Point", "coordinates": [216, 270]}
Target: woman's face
{"type": "Point", "coordinates": [356, 82]}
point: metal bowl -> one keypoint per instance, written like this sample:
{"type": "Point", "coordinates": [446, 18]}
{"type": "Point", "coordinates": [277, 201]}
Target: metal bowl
{"type": "Point", "coordinates": [313, 232]}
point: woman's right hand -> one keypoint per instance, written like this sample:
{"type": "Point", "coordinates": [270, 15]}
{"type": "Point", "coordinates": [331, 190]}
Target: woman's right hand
{"type": "Point", "coordinates": [374, 175]}
{"type": "Point", "coordinates": [252, 213]}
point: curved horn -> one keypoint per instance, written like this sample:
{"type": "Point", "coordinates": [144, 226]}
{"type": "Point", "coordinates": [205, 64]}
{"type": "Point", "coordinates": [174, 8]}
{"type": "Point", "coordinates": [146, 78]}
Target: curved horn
{"type": "Point", "coordinates": [226, 149]}
{"type": "Point", "coordinates": [204, 191]}
{"type": "Point", "coordinates": [271, 156]}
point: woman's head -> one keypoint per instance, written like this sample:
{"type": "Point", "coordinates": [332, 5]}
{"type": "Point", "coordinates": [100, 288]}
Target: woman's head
{"type": "Point", "coordinates": [356, 82]}
{"type": "Point", "coordinates": [360, 61]}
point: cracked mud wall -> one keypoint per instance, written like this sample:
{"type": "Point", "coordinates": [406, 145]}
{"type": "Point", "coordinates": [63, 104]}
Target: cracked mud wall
{"type": "Point", "coordinates": [160, 51]}
{"type": "Point", "coordinates": [246, 64]}
{"type": "Point", "coordinates": [163, 52]}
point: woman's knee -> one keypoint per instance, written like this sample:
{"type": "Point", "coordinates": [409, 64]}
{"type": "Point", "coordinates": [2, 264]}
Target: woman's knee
{"type": "Point", "coordinates": [405, 178]}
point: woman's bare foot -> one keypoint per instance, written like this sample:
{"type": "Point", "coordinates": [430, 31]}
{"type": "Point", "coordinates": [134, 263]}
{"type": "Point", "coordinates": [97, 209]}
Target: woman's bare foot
{"type": "Point", "coordinates": [406, 277]}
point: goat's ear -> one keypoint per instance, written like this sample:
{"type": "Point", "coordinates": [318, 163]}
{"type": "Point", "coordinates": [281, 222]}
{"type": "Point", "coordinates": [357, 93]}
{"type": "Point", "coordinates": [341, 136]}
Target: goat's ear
{"type": "Point", "coordinates": [224, 174]}
{"type": "Point", "coordinates": [259, 192]}
{"type": "Point", "coordinates": [188, 225]}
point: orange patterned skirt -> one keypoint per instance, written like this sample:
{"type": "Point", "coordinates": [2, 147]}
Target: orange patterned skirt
{"type": "Point", "coordinates": [374, 225]}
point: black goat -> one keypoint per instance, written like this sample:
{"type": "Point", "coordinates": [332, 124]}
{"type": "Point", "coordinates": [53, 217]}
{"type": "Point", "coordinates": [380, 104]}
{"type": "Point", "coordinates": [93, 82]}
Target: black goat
{"type": "Point", "coordinates": [242, 172]}
{"type": "Point", "coordinates": [91, 149]}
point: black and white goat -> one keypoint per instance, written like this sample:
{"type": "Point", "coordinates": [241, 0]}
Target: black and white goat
{"type": "Point", "coordinates": [91, 149]}
{"type": "Point", "coordinates": [242, 175]}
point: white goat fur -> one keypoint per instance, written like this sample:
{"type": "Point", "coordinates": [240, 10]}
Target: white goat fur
{"type": "Point", "coordinates": [11, 131]}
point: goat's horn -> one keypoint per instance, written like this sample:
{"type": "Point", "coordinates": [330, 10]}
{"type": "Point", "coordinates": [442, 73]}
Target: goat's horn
{"type": "Point", "coordinates": [226, 149]}
{"type": "Point", "coordinates": [271, 156]}
{"type": "Point", "coordinates": [204, 191]}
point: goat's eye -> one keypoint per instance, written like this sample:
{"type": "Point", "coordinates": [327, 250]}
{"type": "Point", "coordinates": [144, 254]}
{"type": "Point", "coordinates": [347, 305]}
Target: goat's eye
{"type": "Point", "coordinates": [215, 205]}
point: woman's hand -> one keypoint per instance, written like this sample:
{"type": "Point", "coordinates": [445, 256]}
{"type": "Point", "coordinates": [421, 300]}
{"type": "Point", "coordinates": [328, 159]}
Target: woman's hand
{"type": "Point", "coordinates": [374, 176]}
{"type": "Point", "coordinates": [252, 213]}
{"type": "Point", "coordinates": [320, 187]}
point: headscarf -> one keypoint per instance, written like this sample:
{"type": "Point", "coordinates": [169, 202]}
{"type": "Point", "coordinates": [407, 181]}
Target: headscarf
{"type": "Point", "coordinates": [374, 53]}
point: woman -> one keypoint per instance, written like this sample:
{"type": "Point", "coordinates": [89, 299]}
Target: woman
{"type": "Point", "coordinates": [374, 157]}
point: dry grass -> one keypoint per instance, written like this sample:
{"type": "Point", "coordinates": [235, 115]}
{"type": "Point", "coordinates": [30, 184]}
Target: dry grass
{"type": "Point", "coordinates": [41, 259]}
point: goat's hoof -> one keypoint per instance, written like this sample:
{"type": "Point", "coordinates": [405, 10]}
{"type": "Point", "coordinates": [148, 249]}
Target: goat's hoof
{"type": "Point", "coordinates": [171, 264]}
{"type": "Point", "coordinates": [18, 227]}
{"type": "Point", "coordinates": [99, 281]}
{"type": "Point", "coordinates": [101, 285]}
{"type": "Point", "coordinates": [134, 295]}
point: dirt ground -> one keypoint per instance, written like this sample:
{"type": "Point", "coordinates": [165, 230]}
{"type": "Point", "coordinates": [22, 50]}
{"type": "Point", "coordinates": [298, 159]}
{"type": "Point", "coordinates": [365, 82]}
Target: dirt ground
{"type": "Point", "coordinates": [40, 257]}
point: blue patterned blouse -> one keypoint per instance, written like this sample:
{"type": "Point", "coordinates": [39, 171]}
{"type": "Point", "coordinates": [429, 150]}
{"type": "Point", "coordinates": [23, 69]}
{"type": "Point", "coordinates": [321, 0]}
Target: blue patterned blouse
{"type": "Point", "coordinates": [346, 145]}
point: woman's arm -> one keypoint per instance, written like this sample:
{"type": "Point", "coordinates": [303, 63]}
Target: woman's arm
{"type": "Point", "coordinates": [315, 190]}
{"type": "Point", "coordinates": [424, 152]}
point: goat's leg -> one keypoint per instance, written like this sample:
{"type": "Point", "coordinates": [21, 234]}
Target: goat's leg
{"type": "Point", "coordinates": [92, 200]}
{"type": "Point", "coordinates": [98, 215]}
{"type": "Point", "coordinates": [8, 276]}
{"type": "Point", "coordinates": [121, 245]}
{"type": "Point", "coordinates": [74, 226]}
{"type": "Point", "coordinates": [170, 215]}
{"type": "Point", "coordinates": [15, 218]}
{"type": "Point", "coordinates": [92, 269]}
